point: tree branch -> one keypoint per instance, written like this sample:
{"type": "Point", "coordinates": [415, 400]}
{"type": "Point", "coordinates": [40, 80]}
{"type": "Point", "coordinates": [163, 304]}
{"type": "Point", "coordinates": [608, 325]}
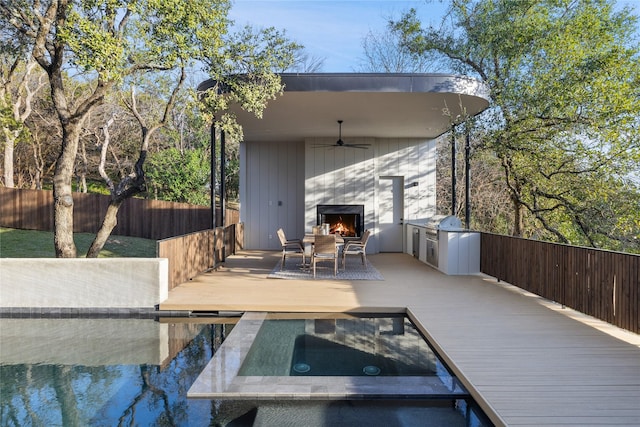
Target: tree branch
{"type": "Point", "coordinates": [103, 154]}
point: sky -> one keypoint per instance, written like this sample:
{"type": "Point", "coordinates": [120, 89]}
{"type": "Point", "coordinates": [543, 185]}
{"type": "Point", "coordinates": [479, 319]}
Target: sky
{"type": "Point", "coordinates": [329, 29]}
{"type": "Point", "coordinates": [334, 30]}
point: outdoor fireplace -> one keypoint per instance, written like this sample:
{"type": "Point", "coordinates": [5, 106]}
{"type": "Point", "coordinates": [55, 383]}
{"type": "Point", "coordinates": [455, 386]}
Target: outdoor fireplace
{"type": "Point", "coordinates": [346, 220]}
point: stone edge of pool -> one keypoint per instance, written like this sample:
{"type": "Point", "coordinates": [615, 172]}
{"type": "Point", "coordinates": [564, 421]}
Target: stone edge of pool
{"type": "Point", "coordinates": [220, 379]}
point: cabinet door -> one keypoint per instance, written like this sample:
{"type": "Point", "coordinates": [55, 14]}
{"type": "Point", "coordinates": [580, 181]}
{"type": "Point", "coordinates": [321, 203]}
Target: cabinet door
{"type": "Point", "coordinates": [423, 246]}
{"type": "Point", "coordinates": [411, 247]}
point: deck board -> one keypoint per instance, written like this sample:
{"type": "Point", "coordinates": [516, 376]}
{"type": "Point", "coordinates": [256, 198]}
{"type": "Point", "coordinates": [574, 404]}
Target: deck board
{"type": "Point", "coordinates": [525, 360]}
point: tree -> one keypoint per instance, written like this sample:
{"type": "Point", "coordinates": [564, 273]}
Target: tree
{"type": "Point", "coordinates": [563, 120]}
{"type": "Point", "coordinates": [178, 167]}
{"type": "Point", "coordinates": [383, 53]}
{"type": "Point", "coordinates": [252, 54]}
{"type": "Point", "coordinates": [17, 90]}
{"type": "Point", "coordinates": [490, 201]}
{"type": "Point", "coordinates": [306, 63]}
{"type": "Point", "coordinates": [108, 42]}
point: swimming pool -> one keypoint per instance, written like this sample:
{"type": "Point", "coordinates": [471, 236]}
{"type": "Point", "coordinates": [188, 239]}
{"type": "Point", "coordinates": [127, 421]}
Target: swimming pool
{"type": "Point", "coordinates": [104, 372]}
{"type": "Point", "coordinates": [340, 345]}
{"type": "Point", "coordinates": [256, 362]}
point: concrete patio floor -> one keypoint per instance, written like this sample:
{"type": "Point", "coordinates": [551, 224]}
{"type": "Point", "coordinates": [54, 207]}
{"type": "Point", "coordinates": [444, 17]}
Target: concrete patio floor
{"type": "Point", "coordinates": [525, 360]}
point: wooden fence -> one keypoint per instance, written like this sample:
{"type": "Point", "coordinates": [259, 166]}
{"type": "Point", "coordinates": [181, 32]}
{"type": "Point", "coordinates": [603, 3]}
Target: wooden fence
{"type": "Point", "coordinates": [183, 231]}
{"type": "Point", "coordinates": [602, 284]}
{"type": "Point", "coordinates": [149, 219]}
{"type": "Point", "coordinates": [194, 253]}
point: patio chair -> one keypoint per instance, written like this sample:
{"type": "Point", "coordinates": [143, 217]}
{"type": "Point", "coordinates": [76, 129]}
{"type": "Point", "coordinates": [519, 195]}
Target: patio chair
{"type": "Point", "coordinates": [325, 249]}
{"type": "Point", "coordinates": [356, 247]}
{"type": "Point", "coordinates": [290, 247]}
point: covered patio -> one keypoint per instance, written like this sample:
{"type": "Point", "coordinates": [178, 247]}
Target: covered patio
{"type": "Point", "coordinates": [348, 140]}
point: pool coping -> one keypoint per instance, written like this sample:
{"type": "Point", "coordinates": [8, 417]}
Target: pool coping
{"type": "Point", "coordinates": [220, 379]}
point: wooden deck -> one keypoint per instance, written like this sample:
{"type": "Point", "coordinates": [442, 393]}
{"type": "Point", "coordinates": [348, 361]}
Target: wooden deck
{"type": "Point", "coordinates": [526, 361]}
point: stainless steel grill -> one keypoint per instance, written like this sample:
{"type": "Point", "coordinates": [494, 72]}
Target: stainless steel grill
{"type": "Point", "coordinates": [444, 222]}
{"type": "Point", "coordinates": [432, 231]}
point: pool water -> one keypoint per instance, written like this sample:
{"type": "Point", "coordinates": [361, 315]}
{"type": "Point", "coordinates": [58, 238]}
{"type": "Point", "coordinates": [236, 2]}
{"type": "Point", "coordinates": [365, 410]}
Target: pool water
{"type": "Point", "coordinates": [347, 346]}
{"type": "Point", "coordinates": [136, 372]}
{"type": "Point", "coordinates": [103, 372]}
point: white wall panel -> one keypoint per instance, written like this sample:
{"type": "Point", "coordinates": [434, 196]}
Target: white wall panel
{"type": "Point", "coordinates": [272, 193]}
{"type": "Point", "coordinates": [301, 176]}
{"type": "Point", "coordinates": [343, 175]}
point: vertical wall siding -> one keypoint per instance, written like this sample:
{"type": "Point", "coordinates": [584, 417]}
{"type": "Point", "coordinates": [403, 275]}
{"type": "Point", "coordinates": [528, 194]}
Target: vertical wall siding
{"type": "Point", "coordinates": [301, 176]}
{"type": "Point", "coordinates": [414, 160]}
{"type": "Point", "coordinates": [336, 175]}
{"type": "Point", "coordinates": [273, 173]}
{"type": "Point", "coordinates": [339, 175]}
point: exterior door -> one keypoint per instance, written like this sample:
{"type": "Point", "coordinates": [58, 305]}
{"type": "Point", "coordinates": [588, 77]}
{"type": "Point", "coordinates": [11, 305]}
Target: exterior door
{"type": "Point", "coordinates": [390, 213]}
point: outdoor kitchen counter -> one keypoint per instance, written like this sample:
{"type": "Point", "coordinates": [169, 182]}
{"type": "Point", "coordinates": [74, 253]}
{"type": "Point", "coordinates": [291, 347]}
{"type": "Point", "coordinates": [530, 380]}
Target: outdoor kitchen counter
{"type": "Point", "coordinates": [451, 250]}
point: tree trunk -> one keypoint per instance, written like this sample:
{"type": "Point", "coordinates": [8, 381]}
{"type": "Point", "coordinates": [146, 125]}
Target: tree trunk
{"type": "Point", "coordinates": [109, 222]}
{"type": "Point", "coordinates": [62, 192]}
{"type": "Point", "coordinates": [517, 216]}
{"type": "Point", "coordinates": [131, 185]}
{"type": "Point", "coordinates": [36, 180]}
{"type": "Point", "coordinates": [20, 105]}
{"type": "Point", "coordinates": [82, 170]}
{"type": "Point", "coordinates": [515, 192]}
{"type": "Point", "coordinates": [9, 143]}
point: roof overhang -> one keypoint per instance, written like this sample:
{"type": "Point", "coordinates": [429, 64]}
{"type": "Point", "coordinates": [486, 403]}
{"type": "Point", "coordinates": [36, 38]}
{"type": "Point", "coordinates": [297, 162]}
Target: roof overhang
{"type": "Point", "coordinates": [371, 105]}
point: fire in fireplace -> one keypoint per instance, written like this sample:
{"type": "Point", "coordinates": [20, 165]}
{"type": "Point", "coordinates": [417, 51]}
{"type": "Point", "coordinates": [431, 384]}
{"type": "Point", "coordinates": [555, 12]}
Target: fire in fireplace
{"type": "Point", "coordinates": [346, 220]}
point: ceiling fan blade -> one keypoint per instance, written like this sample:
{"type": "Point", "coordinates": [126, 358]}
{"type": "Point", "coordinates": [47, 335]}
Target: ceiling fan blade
{"type": "Point", "coordinates": [341, 143]}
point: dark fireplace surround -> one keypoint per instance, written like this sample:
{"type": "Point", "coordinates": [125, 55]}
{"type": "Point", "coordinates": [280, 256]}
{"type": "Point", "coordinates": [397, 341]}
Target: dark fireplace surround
{"type": "Point", "coordinates": [346, 220]}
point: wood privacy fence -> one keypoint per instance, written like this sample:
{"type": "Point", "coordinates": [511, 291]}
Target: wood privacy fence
{"type": "Point", "coordinates": [195, 253]}
{"type": "Point", "coordinates": [602, 284]}
{"type": "Point", "coordinates": [149, 219]}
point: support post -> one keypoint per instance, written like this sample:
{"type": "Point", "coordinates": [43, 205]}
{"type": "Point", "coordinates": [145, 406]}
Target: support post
{"type": "Point", "coordinates": [453, 170]}
{"type": "Point", "coordinates": [212, 176]}
{"type": "Point", "coordinates": [467, 177]}
{"type": "Point", "coordinates": [212, 184]}
{"type": "Point", "coordinates": [223, 179]}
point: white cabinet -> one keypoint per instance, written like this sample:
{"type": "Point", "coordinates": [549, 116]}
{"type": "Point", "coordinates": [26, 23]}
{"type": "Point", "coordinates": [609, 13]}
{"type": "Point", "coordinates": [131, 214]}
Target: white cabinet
{"type": "Point", "coordinates": [459, 252]}
{"type": "Point", "coordinates": [454, 252]}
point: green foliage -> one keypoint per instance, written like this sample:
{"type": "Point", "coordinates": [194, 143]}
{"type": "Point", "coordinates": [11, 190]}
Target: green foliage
{"type": "Point", "coordinates": [116, 38]}
{"type": "Point", "coordinates": [94, 49]}
{"type": "Point", "coordinates": [245, 74]}
{"type": "Point", "coordinates": [107, 44]}
{"type": "Point", "coordinates": [565, 109]}
{"type": "Point", "coordinates": [10, 124]}
{"type": "Point", "coordinates": [179, 176]}
{"type": "Point", "coordinates": [15, 243]}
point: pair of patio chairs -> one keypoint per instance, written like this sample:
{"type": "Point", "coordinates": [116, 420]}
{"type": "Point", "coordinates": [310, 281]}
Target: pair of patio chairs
{"type": "Point", "coordinates": [324, 249]}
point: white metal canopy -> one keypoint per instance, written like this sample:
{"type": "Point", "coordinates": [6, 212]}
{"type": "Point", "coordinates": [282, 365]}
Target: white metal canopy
{"type": "Point", "coordinates": [371, 105]}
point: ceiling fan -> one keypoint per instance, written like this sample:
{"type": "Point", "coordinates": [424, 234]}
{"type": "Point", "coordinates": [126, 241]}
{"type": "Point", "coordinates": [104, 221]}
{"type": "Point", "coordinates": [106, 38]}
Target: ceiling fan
{"type": "Point", "coordinates": [341, 143]}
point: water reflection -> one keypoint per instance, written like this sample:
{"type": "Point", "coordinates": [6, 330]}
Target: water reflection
{"type": "Point", "coordinates": [136, 372]}
{"type": "Point", "coordinates": [103, 372]}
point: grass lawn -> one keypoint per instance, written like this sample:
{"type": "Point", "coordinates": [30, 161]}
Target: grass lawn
{"type": "Point", "coordinates": [16, 243]}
